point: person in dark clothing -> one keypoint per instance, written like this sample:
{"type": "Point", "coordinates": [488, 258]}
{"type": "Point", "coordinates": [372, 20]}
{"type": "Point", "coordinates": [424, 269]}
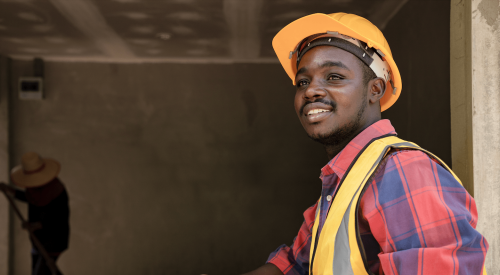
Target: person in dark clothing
{"type": "Point", "coordinates": [48, 211]}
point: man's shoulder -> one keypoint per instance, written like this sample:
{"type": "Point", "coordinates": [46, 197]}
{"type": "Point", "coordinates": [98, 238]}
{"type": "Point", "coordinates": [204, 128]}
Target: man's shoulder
{"type": "Point", "coordinates": [406, 155]}
{"type": "Point", "coordinates": [403, 163]}
{"type": "Point", "coordinates": [408, 172]}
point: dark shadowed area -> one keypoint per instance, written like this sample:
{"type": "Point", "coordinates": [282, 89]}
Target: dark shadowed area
{"type": "Point", "coordinates": [419, 39]}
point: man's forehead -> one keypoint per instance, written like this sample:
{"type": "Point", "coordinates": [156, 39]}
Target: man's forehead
{"type": "Point", "coordinates": [326, 64]}
{"type": "Point", "coordinates": [326, 56]}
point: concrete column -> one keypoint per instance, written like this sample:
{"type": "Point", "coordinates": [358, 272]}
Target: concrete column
{"type": "Point", "coordinates": [4, 165]}
{"type": "Point", "coordinates": [475, 102]}
{"type": "Point", "coordinates": [461, 95]}
{"type": "Point", "coordinates": [486, 122]}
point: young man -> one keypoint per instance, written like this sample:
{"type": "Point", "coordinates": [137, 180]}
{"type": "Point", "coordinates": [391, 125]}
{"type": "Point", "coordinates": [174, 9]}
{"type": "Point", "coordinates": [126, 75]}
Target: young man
{"type": "Point", "coordinates": [48, 211]}
{"type": "Point", "coordinates": [387, 206]}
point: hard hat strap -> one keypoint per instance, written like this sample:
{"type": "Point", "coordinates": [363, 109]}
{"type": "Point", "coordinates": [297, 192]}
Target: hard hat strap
{"type": "Point", "coordinates": [339, 43]}
{"type": "Point", "coordinates": [356, 47]}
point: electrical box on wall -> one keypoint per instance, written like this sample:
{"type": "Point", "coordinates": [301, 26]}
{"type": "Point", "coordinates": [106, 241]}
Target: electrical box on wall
{"type": "Point", "coordinates": [31, 88]}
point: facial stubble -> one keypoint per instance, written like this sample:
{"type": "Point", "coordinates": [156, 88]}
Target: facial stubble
{"type": "Point", "coordinates": [347, 131]}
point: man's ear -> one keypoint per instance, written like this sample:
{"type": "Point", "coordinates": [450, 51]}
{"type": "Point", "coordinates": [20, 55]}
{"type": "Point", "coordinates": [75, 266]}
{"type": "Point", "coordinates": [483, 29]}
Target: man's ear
{"type": "Point", "coordinates": [377, 89]}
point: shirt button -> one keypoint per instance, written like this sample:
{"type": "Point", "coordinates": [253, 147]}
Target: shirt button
{"type": "Point", "coordinates": [328, 198]}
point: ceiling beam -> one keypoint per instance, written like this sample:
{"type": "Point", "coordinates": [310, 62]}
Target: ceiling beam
{"type": "Point", "coordinates": [171, 60]}
{"type": "Point", "coordinates": [85, 16]}
{"type": "Point", "coordinates": [385, 11]}
{"type": "Point", "coordinates": [243, 19]}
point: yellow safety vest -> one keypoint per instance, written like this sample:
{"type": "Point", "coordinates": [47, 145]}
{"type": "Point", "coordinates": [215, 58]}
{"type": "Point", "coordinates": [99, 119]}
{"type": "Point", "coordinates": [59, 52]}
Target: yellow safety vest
{"type": "Point", "coordinates": [336, 249]}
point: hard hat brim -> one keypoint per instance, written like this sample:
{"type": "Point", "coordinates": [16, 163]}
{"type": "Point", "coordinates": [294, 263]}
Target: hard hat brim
{"type": "Point", "coordinates": [290, 36]}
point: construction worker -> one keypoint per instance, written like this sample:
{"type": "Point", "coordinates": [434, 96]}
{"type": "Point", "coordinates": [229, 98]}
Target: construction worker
{"type": "Point", "coordinates": [48, 209]}
{"type": "Point", "coordinates": [387, 206]}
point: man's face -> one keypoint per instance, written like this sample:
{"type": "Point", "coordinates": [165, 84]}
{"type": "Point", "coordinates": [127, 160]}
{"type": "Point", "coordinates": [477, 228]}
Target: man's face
{"type": "Point", "coordinates": [330, 94]}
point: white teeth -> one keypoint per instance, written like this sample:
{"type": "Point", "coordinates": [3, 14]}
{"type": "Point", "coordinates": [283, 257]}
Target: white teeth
{"type": "Point", "coordinates": [315, 111]}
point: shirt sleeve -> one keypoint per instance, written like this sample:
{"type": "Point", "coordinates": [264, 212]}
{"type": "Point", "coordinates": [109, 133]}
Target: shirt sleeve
{"type": "Point", "coordinates": [294, 260]}
{"type": "Point", "coordinates": [422, 218]}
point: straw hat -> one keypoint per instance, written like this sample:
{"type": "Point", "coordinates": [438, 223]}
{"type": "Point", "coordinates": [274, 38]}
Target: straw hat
{"type": "Point", "coordinates": [34, 171]}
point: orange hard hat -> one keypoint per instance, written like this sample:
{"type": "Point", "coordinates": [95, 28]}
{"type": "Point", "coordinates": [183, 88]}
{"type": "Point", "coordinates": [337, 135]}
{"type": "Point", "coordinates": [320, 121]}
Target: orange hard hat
{"type": "Point", "coordinates": [286, 42]}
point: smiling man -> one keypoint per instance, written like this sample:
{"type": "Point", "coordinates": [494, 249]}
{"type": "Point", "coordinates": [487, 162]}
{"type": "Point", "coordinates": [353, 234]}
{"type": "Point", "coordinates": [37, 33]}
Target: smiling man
{"type": "Point", "coordinates": [387, 206]}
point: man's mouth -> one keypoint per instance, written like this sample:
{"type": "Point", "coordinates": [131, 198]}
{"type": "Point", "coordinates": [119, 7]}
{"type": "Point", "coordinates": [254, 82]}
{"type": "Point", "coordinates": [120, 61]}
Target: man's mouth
{"type": "Point", "coordinates": [317, 111]}
{"type": "Point", "coordinates": [317, 107]}
{"type": "Point", "coordinates": [317, 115]}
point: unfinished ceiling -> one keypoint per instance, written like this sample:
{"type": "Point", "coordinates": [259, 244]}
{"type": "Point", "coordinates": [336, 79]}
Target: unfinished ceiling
{"type": "Point", "coordinates": [162, 30]}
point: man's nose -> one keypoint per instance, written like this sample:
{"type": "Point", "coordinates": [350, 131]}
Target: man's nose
{"type": "Point", "coordinates": [314, 90]}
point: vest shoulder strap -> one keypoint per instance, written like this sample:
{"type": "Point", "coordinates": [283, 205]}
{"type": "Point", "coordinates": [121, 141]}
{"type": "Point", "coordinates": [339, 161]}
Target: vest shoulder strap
{"type": "Point", "coordinates": [336, 250]}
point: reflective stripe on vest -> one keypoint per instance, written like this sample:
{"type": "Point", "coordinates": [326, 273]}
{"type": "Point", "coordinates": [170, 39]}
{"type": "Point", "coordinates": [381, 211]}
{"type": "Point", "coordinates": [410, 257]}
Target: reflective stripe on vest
{"type": "Point", "coordinates": [336, 250]}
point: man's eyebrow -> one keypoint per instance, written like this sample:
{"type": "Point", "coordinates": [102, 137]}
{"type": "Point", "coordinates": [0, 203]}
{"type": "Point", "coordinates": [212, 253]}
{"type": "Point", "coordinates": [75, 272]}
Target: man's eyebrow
{"type": "Point", "coordinates": [334, 64]}
{"type": "Point", "coordinates": [301, 71]}
{"type": "Point", "coordinates": [324, 65]}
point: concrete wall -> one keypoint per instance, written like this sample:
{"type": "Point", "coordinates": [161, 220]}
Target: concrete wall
{"type": "Point", "coordinates": [475, 103]}
{"type": "Point", "coordinates": [461, 92]}
{"type": "Point", "coordinates": [170, 168]}
{"type": "Point", "coordinates": [486, 122]}
{"type": "Point", "coordinates": [200, 168]}
{"type": "Point", "coordinates": [4, 165]}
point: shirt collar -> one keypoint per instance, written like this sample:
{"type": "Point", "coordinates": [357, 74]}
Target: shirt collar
{"type": "Point", "coordinates": [340, 163]}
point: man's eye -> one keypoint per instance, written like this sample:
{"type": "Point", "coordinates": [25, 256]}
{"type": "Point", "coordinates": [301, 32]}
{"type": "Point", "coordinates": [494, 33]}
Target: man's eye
{"type": "Point", "coordinates": [301, 83]}
{"type": "Point", "coordinates": [334, 77]}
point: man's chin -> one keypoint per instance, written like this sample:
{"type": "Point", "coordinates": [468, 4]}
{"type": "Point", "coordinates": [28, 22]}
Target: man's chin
{"type": "Point", "coordinates": [335, 136]}
{"type": "Point", "coordinates": [324, 139]}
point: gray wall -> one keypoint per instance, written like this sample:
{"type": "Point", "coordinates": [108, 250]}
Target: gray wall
{"type": "Point", "coordinates": [4, 166]}
{"type": "Point", "coordinates": [202, 168]}
{"type": "Point", "coordinates": [171, 169]}
{"type": "Point", "coordinates": [485, 79]}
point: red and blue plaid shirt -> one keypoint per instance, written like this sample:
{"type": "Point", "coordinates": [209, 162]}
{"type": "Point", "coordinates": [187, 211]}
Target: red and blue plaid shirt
{"type": "Point", "coordinates": [414, 217]}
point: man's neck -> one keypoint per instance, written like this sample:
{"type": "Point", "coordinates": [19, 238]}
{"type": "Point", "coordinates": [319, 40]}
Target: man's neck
{"type": "Point", "coordinates": [333, 149]}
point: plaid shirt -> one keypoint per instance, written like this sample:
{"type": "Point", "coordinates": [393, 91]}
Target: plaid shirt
{"type": "Point", "coordinates": [414, 217]}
